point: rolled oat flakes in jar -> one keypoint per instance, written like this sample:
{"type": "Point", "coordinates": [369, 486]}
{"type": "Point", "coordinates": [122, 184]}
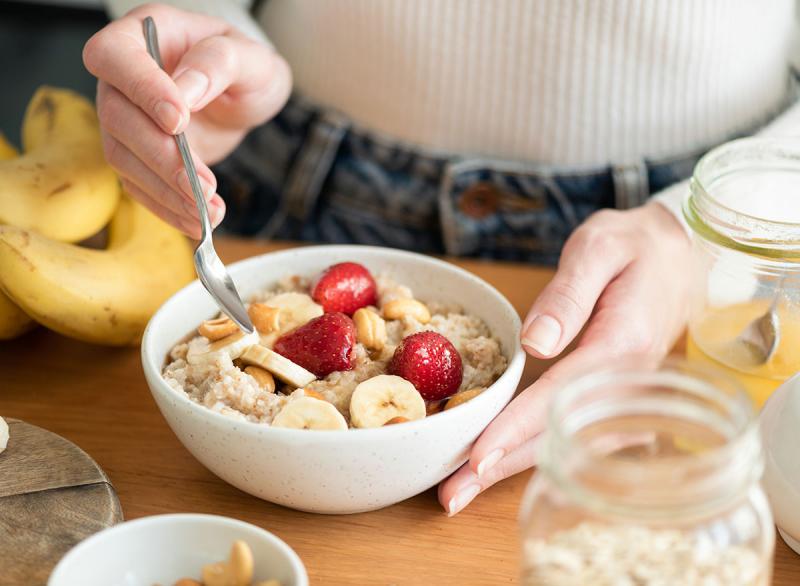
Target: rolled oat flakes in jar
{"type": "Point", "coordinates": [648, 477]}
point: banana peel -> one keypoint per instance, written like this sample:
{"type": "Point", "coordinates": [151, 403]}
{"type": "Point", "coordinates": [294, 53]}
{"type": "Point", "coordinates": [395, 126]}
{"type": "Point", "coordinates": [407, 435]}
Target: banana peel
{"type": "Point", "coordinates": [61, 187]}
{"type": "Point", "coordinates": [99, 296]}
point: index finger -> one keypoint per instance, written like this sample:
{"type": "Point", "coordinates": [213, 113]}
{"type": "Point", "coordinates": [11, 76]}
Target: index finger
{"type": "Point", "coordinates": [615, 330]}
{"type": "Point", "coordinates": [117, 54]}
{"type": "Point", "coordinates": [526, 416]}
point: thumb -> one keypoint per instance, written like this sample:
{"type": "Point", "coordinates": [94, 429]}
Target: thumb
{"type": "Point", "coordinates": [564, 306]}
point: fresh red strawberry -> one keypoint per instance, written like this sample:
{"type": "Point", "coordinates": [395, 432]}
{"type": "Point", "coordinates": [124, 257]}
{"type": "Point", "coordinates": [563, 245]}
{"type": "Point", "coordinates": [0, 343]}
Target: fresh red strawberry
{"type": "Point", "coordinates": [322, 345]}
{"type": "Point", "coordinates": [345, 287]}
{"type": "Point", "coordinates": [430, 362]}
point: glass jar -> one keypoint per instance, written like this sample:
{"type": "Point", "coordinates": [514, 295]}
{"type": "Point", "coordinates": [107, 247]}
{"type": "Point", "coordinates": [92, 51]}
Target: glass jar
{"type": "Point", "coordinates": [744, 211]}
{"type": "Point", "coordinates": [648, 475]}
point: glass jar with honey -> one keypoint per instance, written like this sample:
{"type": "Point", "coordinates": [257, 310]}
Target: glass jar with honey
{"type": "Point", "coordinates": [744, 211]}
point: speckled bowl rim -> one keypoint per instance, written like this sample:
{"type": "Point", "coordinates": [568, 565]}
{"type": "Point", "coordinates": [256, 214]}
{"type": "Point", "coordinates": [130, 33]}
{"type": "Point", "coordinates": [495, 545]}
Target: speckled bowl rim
{"type": "Point", "coordinates": [515, 356]}
{"type": "Point", "coordinates": [119, 530]}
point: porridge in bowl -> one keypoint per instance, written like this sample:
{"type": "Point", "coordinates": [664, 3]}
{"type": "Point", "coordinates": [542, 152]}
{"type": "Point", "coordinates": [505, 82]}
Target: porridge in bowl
{"type": "Point", "coordinates": [345, 349]}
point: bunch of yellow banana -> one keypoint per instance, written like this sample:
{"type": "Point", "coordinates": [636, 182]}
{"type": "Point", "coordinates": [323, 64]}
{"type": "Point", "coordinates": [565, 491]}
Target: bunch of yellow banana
{"type": "Point", "coordinates": [60, 191]}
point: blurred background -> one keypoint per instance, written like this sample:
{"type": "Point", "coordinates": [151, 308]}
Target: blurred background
{"type": "Point", "coordinates": [41, 43]}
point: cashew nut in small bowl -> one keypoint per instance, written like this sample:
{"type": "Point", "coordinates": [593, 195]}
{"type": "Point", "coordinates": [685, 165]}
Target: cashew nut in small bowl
{"type": "Point", "coordinates": [237, 570]}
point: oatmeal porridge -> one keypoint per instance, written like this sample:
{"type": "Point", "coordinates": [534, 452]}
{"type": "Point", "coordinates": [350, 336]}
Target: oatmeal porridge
{"type": "Point", "coordinates": [344, 350]}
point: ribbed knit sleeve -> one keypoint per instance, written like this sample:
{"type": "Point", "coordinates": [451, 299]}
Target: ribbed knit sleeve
{"type": "Point", "coordinates": [787, 125]}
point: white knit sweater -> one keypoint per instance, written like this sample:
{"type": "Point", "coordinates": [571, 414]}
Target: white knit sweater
{"type": "Point", "coordinates": [566, 82]}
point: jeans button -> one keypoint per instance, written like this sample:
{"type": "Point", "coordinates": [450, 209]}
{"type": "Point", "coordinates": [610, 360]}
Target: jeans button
{"type": "Point", "coordinates": [479, 201]}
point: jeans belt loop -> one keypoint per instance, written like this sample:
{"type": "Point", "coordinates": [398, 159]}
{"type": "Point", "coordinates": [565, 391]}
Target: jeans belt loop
{"type": "Point", "coordinates": [309, 171]}
{"type": "Point", "coordinates": [631, 186]}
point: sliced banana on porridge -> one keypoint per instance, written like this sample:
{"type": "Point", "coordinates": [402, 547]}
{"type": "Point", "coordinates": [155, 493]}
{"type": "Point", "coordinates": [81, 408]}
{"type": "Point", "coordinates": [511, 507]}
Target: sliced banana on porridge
{"type": "Point", "coordinates": [279, 366]}
{"type": "Point", "coordinates": [233, 346]}
{"type": "Point", "coordinates": [296, 309]}
{"type": "Point", "coordinates": [309, 413]}
{"type": "Point", "coordinates": [383, 398]}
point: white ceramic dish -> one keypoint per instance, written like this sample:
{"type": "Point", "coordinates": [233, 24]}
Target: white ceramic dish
{"type": "Point", "coordinates": [780, 432]}
{"type": "Point", "coordinates": [164, 548]}
{"type": "Point", "coordinates": [334, 471]}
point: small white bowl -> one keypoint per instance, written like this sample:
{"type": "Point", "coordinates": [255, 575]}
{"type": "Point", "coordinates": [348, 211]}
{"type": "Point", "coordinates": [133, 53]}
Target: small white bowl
{"type": "Point", "coordinates": [780, 433]}
{"type": "Point", "coordinates": [334, 471]}
{"type": "Point", "coordinates": [165, 548]}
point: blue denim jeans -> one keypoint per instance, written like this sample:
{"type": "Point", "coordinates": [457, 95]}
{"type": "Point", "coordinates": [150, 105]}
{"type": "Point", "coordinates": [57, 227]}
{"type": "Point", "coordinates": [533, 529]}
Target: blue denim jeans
{"type": "Point", "coordinates": [311, 175]}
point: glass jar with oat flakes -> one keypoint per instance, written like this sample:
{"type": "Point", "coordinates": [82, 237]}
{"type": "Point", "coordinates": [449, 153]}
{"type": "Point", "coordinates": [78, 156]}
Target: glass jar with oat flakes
{"type": "Point", "coordinates": [744, 212]}
{"type": "Point", "coordinates": [648, 476]}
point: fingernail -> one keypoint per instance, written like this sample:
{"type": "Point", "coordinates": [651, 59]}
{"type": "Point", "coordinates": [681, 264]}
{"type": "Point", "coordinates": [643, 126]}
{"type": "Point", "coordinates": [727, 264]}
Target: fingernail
{"type": "Point", "coordinates": [462, 498]}
{"type": "Point", "coordinates": [543, 335]}
{"type": "Point", "coordinates": [169, 117]}
{"type": "Point", "coordinates": [183, 182]}
{"type": "Point", "coordinates": [193, 86]}
{"type": "Point", "coordinates": [217, 211]}
{"type": "Point", "coordinates": [490, 461]}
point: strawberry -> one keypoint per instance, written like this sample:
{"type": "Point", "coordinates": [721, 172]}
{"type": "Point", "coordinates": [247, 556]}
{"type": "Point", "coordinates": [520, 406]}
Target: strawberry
{"type": "Point", "coordinates": [323, 345]}
{"type": "Point", "coordinates": [430, 362]}
{"type": "Point", "coordinates": [345, 287]}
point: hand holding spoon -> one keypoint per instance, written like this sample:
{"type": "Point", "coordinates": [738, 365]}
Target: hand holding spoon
{"type": "Point", "coordinates": [209, 267]}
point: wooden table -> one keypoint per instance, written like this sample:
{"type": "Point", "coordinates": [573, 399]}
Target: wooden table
{"type": "Point", "coordinates": [97, 398]}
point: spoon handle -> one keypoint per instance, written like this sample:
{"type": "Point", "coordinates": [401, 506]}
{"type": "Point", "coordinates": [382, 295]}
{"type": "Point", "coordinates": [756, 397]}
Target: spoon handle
{"type": "Point", "coordinates": [151, 39]}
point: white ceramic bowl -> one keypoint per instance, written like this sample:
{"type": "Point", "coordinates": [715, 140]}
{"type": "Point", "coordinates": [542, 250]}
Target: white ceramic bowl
{"type": "Point", "coordinates": [780, 433]}
{"type": "Point", "coordinates": [334, 471]}
{"type": "Point", "coordinates": [164, 548]}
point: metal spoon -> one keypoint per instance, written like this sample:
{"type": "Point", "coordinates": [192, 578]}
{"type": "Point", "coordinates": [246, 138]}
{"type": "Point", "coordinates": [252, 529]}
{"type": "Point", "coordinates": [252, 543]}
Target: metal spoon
{"type": "Point", "coordinates": [763, 334]}
{"type": "Point", "coordinates": [209, 267]}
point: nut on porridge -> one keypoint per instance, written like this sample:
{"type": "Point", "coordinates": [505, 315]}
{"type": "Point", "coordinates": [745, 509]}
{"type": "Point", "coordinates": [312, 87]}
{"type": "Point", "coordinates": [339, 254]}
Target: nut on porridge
{"type": "Point", "coordinates": [344, 350]}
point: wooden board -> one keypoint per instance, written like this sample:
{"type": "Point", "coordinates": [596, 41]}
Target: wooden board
{"type": "Point", "coordinates": [52, 496]}
{"type": "Point", "coordinates": [102, 403]}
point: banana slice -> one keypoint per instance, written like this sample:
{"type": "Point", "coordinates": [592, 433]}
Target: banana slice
{"type": "Point", "coordinates": [3, 434]}
{"type": "Point", "coordinates": [309, 413]}
{"type": "Point", "coordinates": [233, 345]}
{"type": "Point", "coordinates": [280, 366]}
{"type": "Point", "coordinates": [296, 309]}
{"type": "Point", "coordinates": [383, 398]}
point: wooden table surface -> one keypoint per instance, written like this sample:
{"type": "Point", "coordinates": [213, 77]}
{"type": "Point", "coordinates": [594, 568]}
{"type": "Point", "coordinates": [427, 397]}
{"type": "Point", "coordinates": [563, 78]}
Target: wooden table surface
{"type": "Point", "coordinates": [97, 398]}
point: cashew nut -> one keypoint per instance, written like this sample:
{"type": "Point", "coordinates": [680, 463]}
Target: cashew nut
{"type": "Point", "coordinates": [263, 377]}
{"type": "Point", "coordinates": [266, 319]}
{"type": "Point", "coordinates": [400, 308]}
{"type": "Point", "coordinates": [237, 571]}
{"type": "Point", "coordinates": [370, 328]}
{"type": "Point", "coordinates": [216, 329]}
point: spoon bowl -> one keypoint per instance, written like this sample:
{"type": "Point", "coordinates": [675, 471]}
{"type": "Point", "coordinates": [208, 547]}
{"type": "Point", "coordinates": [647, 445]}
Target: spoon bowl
{"type": "Point", "coordinates": [763, 335]}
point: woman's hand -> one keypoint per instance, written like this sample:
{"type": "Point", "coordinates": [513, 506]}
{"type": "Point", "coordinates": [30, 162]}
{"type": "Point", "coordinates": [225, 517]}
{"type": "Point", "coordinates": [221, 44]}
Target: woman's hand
{"type": "Point", "coordinates": [624, 275]}
{"type": "Point", "coordinates": [220, 84]}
